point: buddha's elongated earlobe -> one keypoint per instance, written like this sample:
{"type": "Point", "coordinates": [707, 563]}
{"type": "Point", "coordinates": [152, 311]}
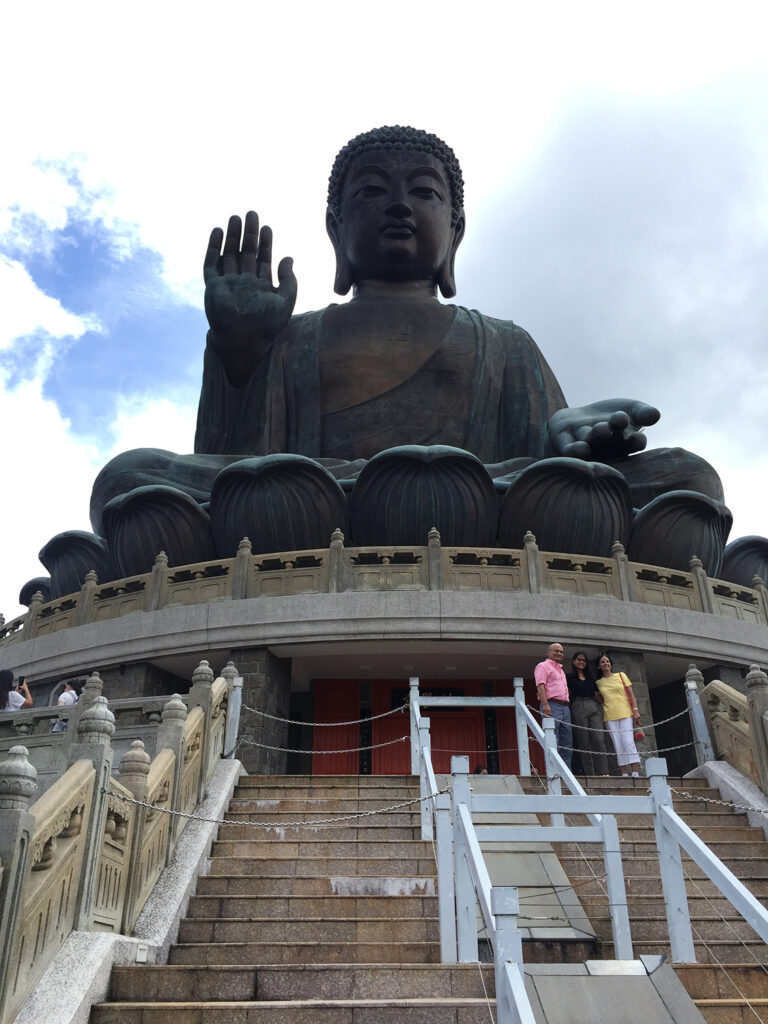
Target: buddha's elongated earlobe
{"type": "Point", "coordinates": [343, 280]}
{"type": "Point", "coordinates": [446, 280]}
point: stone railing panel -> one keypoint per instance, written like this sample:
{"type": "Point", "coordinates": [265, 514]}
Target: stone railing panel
{"type": "Point", "coordinates": [199, 584]}
{"type": "Point", "coordinates": [121, 597]}
{"type": "Point", "coordinates": [154, 840]}
{"type": "Point", "coordinates": [728, 712]}
{"type": "Point", "coordinates": [585, 576]}
{"type": "Point", "coordinates": [51, 884]}
{"type": "Point", "coordinates": [56, 615]}
{"type": "Point", "coordinates": [114, 861]}
{"type": "Point", "coordinates": [386, 568]}
{"type": "Point", "coordinates": [666, 588]}
{"type": "Point", "coordinates": [742, 603]}
{"type": "Point", "coordinates": [288, 573]}
{"type": "Point", "coordinates": [191, 759]}
{"type": "Point", "coordinates": [481, 569]}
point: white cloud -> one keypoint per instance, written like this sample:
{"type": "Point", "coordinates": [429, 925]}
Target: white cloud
{"type": "Point", "coordinates": [27, 310]}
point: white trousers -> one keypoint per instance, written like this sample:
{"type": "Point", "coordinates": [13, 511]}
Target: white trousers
{"type": "Point", "coordinates": [622, 734]}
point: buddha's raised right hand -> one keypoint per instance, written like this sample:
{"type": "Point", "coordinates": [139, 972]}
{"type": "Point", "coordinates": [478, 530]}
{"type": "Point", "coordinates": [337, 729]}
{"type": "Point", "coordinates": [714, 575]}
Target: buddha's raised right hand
{"type": "Point", "coordinates": [245, 310]}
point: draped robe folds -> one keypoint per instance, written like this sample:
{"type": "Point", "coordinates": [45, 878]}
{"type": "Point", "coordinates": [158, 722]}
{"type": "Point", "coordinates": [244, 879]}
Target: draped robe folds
{"type": "Point", "coordinates": [486, 389]}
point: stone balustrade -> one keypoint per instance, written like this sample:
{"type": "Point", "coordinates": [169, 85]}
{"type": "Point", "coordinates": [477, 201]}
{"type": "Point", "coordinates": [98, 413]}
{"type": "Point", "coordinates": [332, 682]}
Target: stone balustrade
{"type": "Point", "coordinates": [85, 855]}
{"type": "Point", "coordinates": [738, 724]}
{"type": "Point", "coordinates": [431, 567]}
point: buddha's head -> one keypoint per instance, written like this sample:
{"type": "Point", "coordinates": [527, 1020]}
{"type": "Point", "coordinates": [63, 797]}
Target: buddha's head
{"type": "Point", "coordinates": [395, 209]}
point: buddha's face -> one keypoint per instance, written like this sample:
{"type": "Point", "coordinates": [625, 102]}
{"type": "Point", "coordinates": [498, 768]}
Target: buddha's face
{"type": "Point", "coordinates": [395, 222]}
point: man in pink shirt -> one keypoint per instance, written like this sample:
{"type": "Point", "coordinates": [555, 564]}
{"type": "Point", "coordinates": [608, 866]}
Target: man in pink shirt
{"type": "Point", "coordinates": [552, 690]}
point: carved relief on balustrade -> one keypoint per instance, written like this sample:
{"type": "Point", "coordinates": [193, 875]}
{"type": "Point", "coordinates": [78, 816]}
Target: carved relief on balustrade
{"type": "Point", "coordinates": [154, 840]}
{"type": "Point", "coordinates": [50, 885]}
{"type": "Point", "coordinates": [386, 568]}
{"type": "Point", "coordinates": [198, 584]}
{"type": "Point", "coordinates": [581, 575]}
{"type": "Point", "coordinates": [114, 861]}
{"type": "Point", "coordinates": [191, 759]}
{"type": "Point", "coordinates": [666, 588]}
{"type": "Point", "coordinates": [218, 724]}
{"type": "Point", "coordinates": [731, 729]}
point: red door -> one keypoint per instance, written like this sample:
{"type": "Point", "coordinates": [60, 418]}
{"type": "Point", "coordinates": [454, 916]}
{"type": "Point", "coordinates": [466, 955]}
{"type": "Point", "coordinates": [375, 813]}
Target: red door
{"type": "Point", "coordinates": [454, 731]}
{"type": "Point", "coordinates": [336, 700]}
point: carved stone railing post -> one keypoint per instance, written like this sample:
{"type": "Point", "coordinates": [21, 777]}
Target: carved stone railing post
{"type": "Point", "coordinates": [758, 584]}
{"type": "Point", "coordinates": [18, 781]}
{"type": "Point", "coordinates": [200, 697]}
{"type": "Point", "coordinates": [84, 610]}
{"type": "Point", "coordinates": [704, 587]}
{"type": "Point", "coordinates": [533, 568]}
{"type": "Point", "coordinates": [241, 570]}
{"type": "Point", "coordinates": [623, 571]}
{"type": "Point", "coordinates": [94, 735]}
{"type": "Point", "coordinates": [336, 563]}
{"type": "Point", "coordinates": [94, 685]}
{"type": "Point", "coordinates": [434, 563]}
{"type": "Point", "coordinates": [757, 695]}
{"type": "Point", "coordinates": [134, 773]}
{"type": "Point", "coordinates": [694, 687]}
{"type": "Point", "coordinates": [234, 707]}
{"type": "Point", "coordinates": [158, 584]}
{"type": "Point", "coordinates": [170, 736]}
{"type": "Point", "coordinates": [33, 612]}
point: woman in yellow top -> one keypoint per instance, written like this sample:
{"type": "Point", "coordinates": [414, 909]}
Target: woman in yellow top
{"type": "Point", "coordinates": [620, 712]}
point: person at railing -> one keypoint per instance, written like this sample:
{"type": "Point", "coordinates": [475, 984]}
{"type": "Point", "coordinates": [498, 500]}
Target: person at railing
{"type": "Point", "coordinates": [554, 700]}
{"type": "Point", "coordinates": [67, 698]}
{"type": "Point", "coordinates": [620, 712]}
{"type": "Point", "coordinates": [13, 698]}
{"type": "Point", "coordinates": [587, 716]}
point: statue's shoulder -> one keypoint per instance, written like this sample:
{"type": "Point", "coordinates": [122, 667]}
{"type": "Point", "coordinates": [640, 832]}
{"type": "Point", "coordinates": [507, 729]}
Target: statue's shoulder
{"type": "Point", "coordinates": [506, 330]}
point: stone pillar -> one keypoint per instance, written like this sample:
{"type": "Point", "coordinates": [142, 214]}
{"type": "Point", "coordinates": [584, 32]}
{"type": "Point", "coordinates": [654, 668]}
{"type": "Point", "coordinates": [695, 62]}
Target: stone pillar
{"type": "Point", "coordinates": [336, 584]}
{"type": "Point", "coordinates": [702, 737]}
{"type": "Point", "coordinates": [134, 774]}
{"type": "Point", "coordinates": [18, 781]}
{"type": "Point", "coordinates": [94, 734]}
{"type": "Point", "coordinates": [85, 598]}
{"type": "Point", "coordinates": [623, 572]}
{"type": "Point", "coordinates": [30, 620]}
{"type": "Point", "coordinates": [632, 664]}
{"type": "Point", "coordinates": [531, 567]}
{"type": "Point", "coordinates": [200, 697]}
{"type": "Point", "coordinates": [154, 596]}
{"type": "Point", "coordinates": [757, 695]}
{"type": "Point", "coordinates": [434, 564]}
{"type": "Point", "coordinates": [703, 585]}
{"type": "Point", "coordinates": [170, 735]}
{"type": "Point", "coordinates": [267, 687]}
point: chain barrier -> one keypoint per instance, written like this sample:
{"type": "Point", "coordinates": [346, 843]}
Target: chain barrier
{"type": "Point", "coordinates": [280, 824]}
{"type": "Point", "coordinates": [651, 724]}
{"type": "Point", "coordinates": [323, 725]}
{"type": "Point", "coordinates": [722, 803]}
{"type": "Point", "coordinates": [293, 750]}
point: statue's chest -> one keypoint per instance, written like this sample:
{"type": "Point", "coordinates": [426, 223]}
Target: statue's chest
{"type": "Point", "coordinates": [363, 356]}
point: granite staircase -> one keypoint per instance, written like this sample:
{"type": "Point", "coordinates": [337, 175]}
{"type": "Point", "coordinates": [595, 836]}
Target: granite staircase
{"type": "Point", "coordinates": [331, 923]}
{"type": "Point", "coordinates": [729, 982]}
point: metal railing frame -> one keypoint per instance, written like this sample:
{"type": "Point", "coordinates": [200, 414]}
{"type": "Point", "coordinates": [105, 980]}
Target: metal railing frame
{"type": "Point", "coordinates": [463, 876]}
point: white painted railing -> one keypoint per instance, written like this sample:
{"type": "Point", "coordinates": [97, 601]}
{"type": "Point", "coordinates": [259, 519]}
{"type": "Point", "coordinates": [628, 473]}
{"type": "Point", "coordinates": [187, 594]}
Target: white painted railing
{"type": "Point", "coordinates": [463, 878]}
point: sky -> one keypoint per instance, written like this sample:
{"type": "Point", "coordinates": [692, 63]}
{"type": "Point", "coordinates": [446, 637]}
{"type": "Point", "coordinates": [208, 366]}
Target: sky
{"type": "Point", "coordinates": [616, 167]}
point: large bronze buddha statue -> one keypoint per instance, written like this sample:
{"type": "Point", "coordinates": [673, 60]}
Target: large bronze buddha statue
{"type": "Point", "coordinates": [392, 412]}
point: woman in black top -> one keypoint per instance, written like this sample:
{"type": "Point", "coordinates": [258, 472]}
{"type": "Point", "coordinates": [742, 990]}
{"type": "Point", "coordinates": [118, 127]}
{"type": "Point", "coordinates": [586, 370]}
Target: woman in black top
{"type": "Point", "coordinates": [586, 716]}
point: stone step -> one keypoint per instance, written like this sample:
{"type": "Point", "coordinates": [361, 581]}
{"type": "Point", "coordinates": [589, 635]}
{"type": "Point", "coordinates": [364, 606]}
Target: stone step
{"type": "Point", "coordinates": [251, 907]}
{"type": "Point", "coordinates": [580, 866]}
{"type": "Point", "coordinates": [726, 851]}
{"type": "Point", "coordinates": [326, 981]}
{"type": "Point", "coordinates": [710, 951]}
{"type": "Point", "coordinates": [305, 953]}
{"type": "Point", "coordinates": [323, 885]}
{"type": "Point", "coordinates": [343, 1011]}
{"type": "Point", "coordinates": [650, 885]}
{"type": "Point", "coordinates": [304, 811]}
{"type": "Point", "coordinates": [700, 907]}
{"type": "Point", "coordinates": [368, 831]}
{"type": "Point", "coordinates": [711, 835]}
{"type": "Point", "coordinates": [422, 862]}
{"type": "Point", "coordinates": [336, 780]}
{"type": "Point", "coordinates": [646, 928]}
{"type": "Point", "coordinates": [310, 929]}
{"type": "Point", "coordinates": [733, 1011]}
{"type": "Point", "coordinates": [708, 981]}
{"type": "Point", "coordinates": [309, 848]}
